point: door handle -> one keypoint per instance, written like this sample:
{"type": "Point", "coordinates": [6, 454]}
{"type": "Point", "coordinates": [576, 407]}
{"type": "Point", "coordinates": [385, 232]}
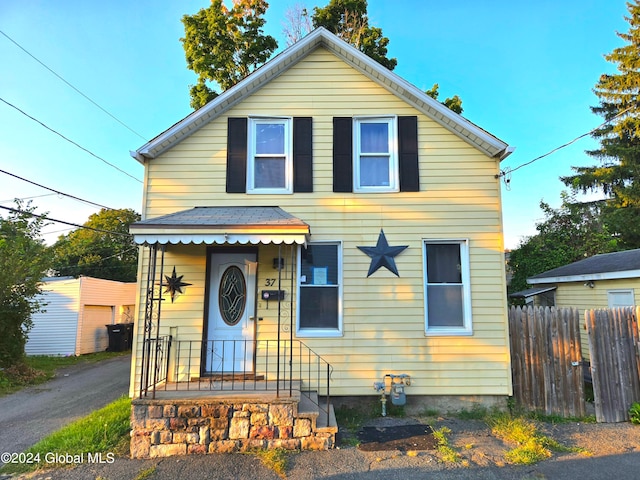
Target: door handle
{"type": "Point", "coordinates": [252, 319]}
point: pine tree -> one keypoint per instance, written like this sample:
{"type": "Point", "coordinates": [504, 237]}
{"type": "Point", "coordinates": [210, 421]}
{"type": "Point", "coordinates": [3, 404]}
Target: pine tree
{"type": "Point", "coordinates": [618, 174]}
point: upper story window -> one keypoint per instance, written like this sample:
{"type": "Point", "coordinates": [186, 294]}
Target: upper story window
{"type": "Point", "coordinates": [375, 154]}
{"type": "Point", "coordinates": [270, 156]}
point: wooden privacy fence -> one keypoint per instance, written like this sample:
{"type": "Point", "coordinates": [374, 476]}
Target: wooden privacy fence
{"type": "Point", "coordinates": [546, 360]}
{"type": "Point", "coordinates": [614, 349]}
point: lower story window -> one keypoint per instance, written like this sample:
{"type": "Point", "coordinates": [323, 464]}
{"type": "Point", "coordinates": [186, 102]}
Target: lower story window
{"type": "Point", "coordinates": [320, 290]}
{"type": "Point", "coordinates": [447, 288]}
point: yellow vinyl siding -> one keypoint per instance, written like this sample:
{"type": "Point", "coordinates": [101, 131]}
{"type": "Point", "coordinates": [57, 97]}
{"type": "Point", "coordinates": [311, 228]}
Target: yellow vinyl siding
{"type": "Point", "coordinates": [383, 315]}
{"type": "Point", "coordinates": [577, 295]}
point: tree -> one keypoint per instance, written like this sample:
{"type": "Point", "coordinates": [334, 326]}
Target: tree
{"type": "Point", "coordinates": [296, 24]}
{"type": "Point", "coordinates": [618, 174]}
{"type": "Point", "coordinates": [348, 20]}
{"type": "Point", "coordinates": [568, 234]}
{"type": "Point", "coordinates": [104, 250]}
{"type": "Point", "coordinates": [453, 103]}
{"type": "Point", "coordinates": [225, 45]}
{"type": "Point", "coordinates": [23, 263]}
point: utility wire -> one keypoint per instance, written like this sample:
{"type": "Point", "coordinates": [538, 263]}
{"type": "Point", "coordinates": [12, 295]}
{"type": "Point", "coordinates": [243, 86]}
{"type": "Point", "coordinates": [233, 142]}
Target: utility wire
{"type": "Point", "coordinates": [69, 140]}
{"type": "Point", "coordinates": [44, 217]}
{"type": "Point", "coordinates": [70, 85]}
{"type": "Point", "coordinates": [53, 190]}
{"type": "Point", "coordinates": [511, 170]}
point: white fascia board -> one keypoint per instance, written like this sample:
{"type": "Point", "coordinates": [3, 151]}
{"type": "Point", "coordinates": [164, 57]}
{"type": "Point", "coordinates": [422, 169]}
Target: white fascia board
{"type": "Point", "coordinates": [586, 277]}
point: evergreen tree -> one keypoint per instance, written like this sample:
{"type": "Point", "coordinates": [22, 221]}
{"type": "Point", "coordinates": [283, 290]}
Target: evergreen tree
{"type": "Point", "coordinates": [225, 45]}
{"type": "Point", "coordinates": [618, 174]}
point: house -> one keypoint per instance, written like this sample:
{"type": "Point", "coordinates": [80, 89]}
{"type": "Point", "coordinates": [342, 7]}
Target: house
{"type": "Point", "coordinates": [323, 221]}
{"type": "Point", "coordinates": [609, 280]}
{"type": "Point", "coordinates": [76, 312]}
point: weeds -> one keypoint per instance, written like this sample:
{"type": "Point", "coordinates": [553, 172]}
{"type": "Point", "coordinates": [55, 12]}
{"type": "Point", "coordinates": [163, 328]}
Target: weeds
{"type": "Point", "coordinates": [275, 459]}
{"type": "Point", "coordinates": [447, 453]}
{"type": "Point", "coordinates": [634, 413]}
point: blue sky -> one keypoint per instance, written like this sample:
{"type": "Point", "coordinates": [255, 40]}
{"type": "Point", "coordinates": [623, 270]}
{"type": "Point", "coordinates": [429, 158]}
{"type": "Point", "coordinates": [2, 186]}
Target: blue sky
{"type": "Point", "coordinates": [525, 71]}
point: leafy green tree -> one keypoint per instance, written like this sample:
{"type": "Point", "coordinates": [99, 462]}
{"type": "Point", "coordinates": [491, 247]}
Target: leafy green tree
{"type": "Point", "coordinates": [104, 250]}
{"type": "Point", "coordinates": [567, 234]}
{"type": "Point", "coordinates": [618, 174]}
{"type": "Point", "coordinates": [224, 45]}
{"type": "Point", "coordinates": [453, 103]}
{"type": "Point", "coordinates": [348, 20]}
{"type": "Point", "coordinates": [23, 263]}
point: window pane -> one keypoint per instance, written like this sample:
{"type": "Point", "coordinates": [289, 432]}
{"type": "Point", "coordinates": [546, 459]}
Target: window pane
{"type": "Point", "coordinates": [270, 138]}
{"type": "Point", "coordinates": [444, 264]}
{"type": "Point", "coordinates": [319, 307]}
{"type": "Point", "coordinates": [269, 173]}
{"type": "Point", "coordinates": [374, 171]}
{"type": "Point", "coordinates": [374, 137]}
{"type": "Point", "coordinates": [319, 256]}
{"type": "Point", "coordinates": [444, 304]}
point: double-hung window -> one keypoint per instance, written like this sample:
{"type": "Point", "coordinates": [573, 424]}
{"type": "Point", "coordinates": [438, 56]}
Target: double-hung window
{"type": "Point", "coordinates": [447, 288]}
{"type": "Point", "coordinates": [270, 157]}
{"type": "Point", "coordinates": [320, 290]}
{"type": "Point", "coordinates": [375, 154]}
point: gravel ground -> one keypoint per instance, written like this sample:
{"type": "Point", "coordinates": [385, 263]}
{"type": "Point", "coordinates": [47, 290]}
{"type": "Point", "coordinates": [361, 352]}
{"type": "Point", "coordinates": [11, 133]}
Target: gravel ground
{"type": "Point", "coordinates": [611, 450]}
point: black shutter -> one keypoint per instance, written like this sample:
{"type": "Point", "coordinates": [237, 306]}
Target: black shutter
{"type": "Point", "coordinates": [408, 154]}
{"type": "Point", "coordinates": [302, 154]}
{"type": "Point", "coordinates": [342, 154]}
{"type": "Point", "coordinates": [236, 155]}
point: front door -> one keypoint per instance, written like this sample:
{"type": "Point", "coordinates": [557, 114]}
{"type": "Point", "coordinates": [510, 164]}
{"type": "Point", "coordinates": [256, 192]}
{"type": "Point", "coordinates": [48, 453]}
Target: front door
{"type": "Point", "coordinates": [231, 329]}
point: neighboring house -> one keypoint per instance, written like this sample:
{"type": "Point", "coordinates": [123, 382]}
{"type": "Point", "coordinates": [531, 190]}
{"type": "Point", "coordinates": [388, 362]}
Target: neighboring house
{"type": "Point", "coordinates": [609, 280]}
{"type": "Point", "coordinates": [327, 201]}
{"type": "Point", "coordinates": [76, 311]}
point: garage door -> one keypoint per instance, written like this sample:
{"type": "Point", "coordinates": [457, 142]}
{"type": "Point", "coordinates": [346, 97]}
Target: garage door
{"type": "Point", "coordinates": [92, 333]}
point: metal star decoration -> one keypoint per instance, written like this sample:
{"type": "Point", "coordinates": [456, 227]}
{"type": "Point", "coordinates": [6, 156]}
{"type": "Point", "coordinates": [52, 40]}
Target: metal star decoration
{"type": "Point", "coordinates": [174, 284]}
{"type": "Point", "coordinates": [382, 255]}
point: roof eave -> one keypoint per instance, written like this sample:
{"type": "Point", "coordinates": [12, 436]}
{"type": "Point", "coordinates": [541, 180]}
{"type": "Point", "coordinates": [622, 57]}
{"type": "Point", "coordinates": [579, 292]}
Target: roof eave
{"type": "Point", "coordinates": [471, 133]}
{"type": "Point", "coordinates": [586, 277]}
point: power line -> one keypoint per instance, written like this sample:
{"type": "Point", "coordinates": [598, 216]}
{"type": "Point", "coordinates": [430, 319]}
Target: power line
{"type": "Point", "coordinates": [53, 190]}
{"type": "Point", "coordinates": [27, 198]}
{"type": "Point", "coordinates": [73, 87]}
{"type": "Point", "coordinates": [69, 140]}
{"type": "Point", "coordinates": [44, 217]}
{"type": "Point", "coordinates": [509, 171]}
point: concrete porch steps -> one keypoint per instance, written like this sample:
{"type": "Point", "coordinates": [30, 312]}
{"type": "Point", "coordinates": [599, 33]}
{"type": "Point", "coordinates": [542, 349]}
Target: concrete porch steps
{"type": "Point", "coordinates": [309, 407]}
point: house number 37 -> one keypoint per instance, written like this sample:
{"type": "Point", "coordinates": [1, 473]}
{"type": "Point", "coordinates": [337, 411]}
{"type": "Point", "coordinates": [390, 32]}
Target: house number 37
{"type": "Point", "coordinates": [269, 282]}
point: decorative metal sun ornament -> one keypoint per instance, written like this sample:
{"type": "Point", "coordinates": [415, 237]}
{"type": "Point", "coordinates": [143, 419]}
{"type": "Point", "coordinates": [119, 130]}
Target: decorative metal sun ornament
{"type": "Point", "coordinates": [174, 284]}
{"type": "Point", "coordinates": [382, 255]}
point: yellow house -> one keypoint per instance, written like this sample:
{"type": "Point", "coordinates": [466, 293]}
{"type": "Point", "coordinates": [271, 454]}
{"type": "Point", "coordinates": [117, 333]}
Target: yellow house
{"type": "Point", "coordinates": [610, 280]}
{"type": "Point", "coordinates": [326, 223]}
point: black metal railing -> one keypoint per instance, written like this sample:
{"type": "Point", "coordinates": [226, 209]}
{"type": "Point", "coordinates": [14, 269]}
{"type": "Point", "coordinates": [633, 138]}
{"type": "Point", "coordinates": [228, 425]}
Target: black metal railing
{"type": "Point", "coordinates": [279, 366]}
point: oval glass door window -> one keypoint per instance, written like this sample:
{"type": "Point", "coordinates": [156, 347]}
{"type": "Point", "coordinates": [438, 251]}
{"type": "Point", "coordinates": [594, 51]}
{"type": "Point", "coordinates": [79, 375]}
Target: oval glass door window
{"type": "Point", "coordinates": [232, 298]}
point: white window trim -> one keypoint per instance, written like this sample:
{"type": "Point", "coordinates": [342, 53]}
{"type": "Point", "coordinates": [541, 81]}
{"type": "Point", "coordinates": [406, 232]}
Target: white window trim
{"type": "Point", "coordinates": [467, 328]}
{"type": "Point", "coordinates": [288, 155]}
{"type": "Point", "coordinates": [628, 291]}
{"type": "Point", "coordinates": [320, 332]}
{"type": "Point", "coordinates": [394, 178]}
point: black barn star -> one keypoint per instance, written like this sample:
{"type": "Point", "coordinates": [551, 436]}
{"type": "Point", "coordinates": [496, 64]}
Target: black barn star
{"type": "Point", "coordinates": [174, 284]}
{"type": "Point", "coordinates": [382, 255]}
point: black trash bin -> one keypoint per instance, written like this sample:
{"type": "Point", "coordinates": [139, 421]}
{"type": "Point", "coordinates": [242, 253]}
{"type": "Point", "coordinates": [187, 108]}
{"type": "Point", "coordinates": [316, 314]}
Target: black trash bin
{"type": "Point", "coordinates": [120, 337]}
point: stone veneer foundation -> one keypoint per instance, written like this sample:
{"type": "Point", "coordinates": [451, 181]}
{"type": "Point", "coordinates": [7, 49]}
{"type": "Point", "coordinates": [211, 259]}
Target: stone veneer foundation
{"type": "Point", "coordinates": [161, 428]}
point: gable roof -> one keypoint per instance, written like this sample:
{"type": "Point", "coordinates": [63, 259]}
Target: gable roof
{"type": "Point", "coordinates": [606, 266]}
{"type": "Point", "coordinates": [320, 37]}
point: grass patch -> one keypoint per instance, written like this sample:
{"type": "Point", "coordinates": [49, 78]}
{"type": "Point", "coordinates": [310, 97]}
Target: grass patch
{"type": "Point", "coordinates": [144, 474]}
{"type": "Point", "coordinates": [531, 446]}
{"type": "Point", "coordinates": [276, 459]}
{"type": "Point", "coordinates": [104, 431]}
{"type": "Point", "coordinates": [37, 369]}
{"type": "Point", "coordinates": [478, 412]}
{"type": "Point", "coordinates": [447, 452]}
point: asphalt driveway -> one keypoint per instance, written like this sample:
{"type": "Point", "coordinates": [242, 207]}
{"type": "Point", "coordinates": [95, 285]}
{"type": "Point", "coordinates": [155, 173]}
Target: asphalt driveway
{"type": "Point", "coordinates": [32, 413]}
